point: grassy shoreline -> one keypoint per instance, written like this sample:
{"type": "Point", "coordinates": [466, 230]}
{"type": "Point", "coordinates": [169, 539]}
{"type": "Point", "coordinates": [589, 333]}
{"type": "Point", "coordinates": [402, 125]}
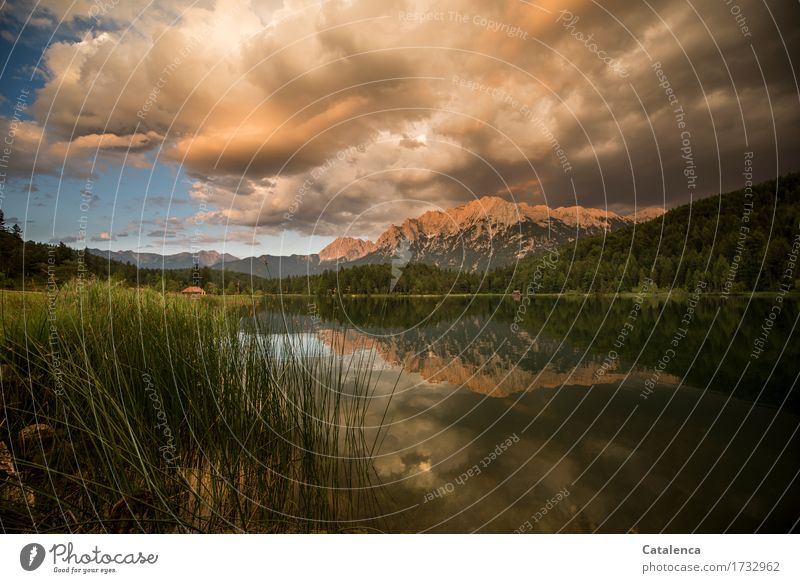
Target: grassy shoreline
{"type": "Point", "coordinates": [126, 411]}
{"type": "Point", "coordinates": [244, 299]}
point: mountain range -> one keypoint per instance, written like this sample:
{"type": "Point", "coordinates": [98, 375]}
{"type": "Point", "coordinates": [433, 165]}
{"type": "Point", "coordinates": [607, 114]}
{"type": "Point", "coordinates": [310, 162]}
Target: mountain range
{"type": "Point", "coordinates": [485, 233]}
{"type": "Point", "coordinates": [184, 260]}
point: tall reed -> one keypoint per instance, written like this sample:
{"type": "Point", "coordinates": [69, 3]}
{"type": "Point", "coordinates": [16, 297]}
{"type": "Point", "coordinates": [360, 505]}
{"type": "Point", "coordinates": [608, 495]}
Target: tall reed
{"type": "Point", "coordinates": [130, 411]}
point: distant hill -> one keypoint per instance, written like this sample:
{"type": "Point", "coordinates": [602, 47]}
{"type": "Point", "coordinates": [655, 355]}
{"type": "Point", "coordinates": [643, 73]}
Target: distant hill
{"type": "Point", "coordinates": [184, 260]}
{"type": "Point", "coordinates": [275, 266]}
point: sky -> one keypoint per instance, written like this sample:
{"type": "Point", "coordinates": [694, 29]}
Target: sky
{"type": "Point", "coordinates": [274, 127]}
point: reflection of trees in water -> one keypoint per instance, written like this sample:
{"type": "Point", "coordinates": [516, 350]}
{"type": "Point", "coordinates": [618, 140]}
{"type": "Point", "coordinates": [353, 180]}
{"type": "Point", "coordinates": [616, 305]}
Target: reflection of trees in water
{"type": "Point", "coordinates": [464, 332]}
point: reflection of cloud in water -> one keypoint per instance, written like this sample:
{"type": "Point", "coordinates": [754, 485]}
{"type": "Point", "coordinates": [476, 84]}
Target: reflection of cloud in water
{"type": "Point", "coordinates": [617, 460]}
{"type": "Point", "coordinates": [627, 462]}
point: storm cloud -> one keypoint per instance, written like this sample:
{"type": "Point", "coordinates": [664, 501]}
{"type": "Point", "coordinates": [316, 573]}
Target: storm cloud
{"type": "Point", "coordinates": [347, 116]}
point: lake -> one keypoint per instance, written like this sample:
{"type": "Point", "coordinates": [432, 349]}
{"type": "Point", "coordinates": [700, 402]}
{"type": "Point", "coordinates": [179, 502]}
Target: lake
{"type": "Point", "coordinates": [584, 414]}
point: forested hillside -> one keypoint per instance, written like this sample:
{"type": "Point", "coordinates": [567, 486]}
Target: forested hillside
{"type": "Point", "coordinates": [722, 240]}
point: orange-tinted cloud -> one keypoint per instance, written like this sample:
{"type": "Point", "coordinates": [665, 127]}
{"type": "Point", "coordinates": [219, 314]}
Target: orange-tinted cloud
{"type": "Point", "coordinates": [443, 101]}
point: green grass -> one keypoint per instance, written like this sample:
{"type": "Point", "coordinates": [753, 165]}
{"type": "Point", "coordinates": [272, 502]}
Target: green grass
{"type": "Point", "coordinates": [166, 418]}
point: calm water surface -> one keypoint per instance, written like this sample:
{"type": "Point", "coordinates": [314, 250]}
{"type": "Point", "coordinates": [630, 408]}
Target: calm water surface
{"type": "Point", "coordinates": [568, 415]}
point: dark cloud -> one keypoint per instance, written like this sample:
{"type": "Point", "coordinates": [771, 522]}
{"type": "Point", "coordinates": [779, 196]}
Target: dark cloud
{"type": "Point", "coordinates": [166, 234]}
{"type": "Point", "coordinates": [337, 117]}
{"type": "Point", "coordinates": [161, 200]}
{"type": "Point", "coordinates": [66, 239]}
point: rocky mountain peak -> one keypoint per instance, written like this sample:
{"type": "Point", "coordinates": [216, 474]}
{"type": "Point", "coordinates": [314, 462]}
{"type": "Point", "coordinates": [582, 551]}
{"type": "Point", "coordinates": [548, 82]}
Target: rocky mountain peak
{"type": "Point", "coordinates": [347, 249]}
{"type": "Point", "coordinates": [646, 214]}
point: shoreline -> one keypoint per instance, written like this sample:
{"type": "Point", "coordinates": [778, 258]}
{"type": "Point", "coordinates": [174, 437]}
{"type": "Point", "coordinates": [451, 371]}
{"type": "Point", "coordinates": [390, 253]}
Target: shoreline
{"type": "Point", "coordinates": [675, 294]}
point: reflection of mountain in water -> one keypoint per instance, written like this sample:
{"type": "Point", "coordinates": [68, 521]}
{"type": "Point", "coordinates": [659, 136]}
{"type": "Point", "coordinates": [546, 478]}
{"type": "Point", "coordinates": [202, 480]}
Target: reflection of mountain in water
{"type": "Point", "coordinates": [486, 357]}
{"type": "Point", "coordinates": [470, 341]}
